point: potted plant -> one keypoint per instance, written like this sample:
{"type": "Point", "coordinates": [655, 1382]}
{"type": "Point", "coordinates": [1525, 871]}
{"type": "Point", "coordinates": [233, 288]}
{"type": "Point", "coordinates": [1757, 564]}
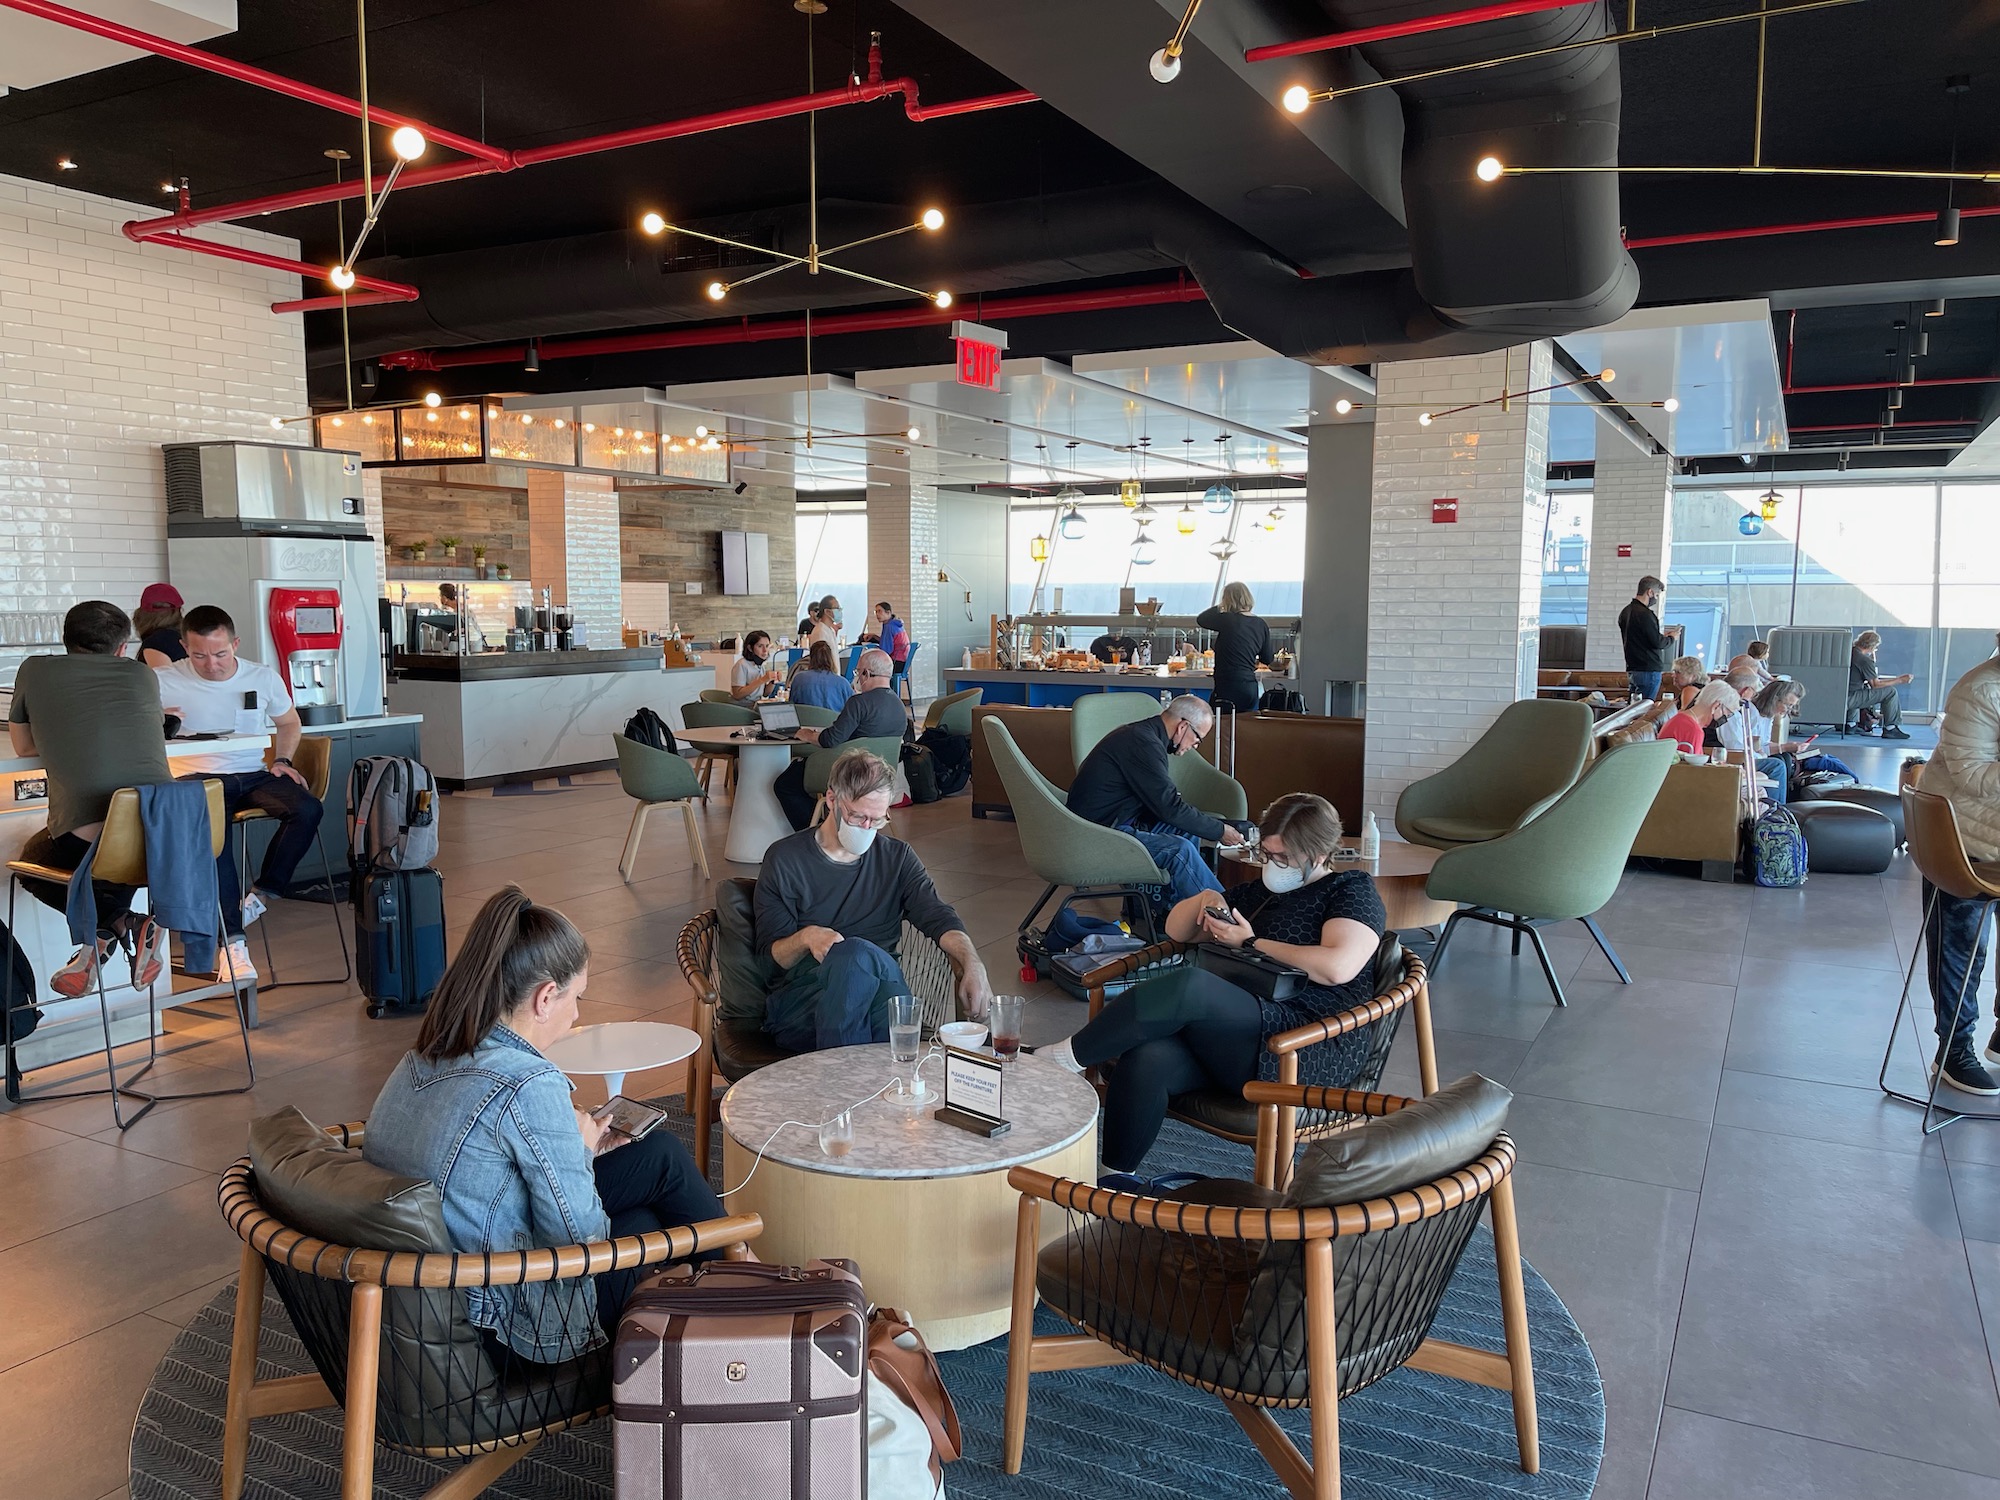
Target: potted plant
{"type": "Point", "coordinates": [479, 558]}
{"type": "Point", "coordinates": [450, 545]}
{"type": "Point", "coordinates": [504, 571]}
{"type": "Point", "coordinates": [419, 550]}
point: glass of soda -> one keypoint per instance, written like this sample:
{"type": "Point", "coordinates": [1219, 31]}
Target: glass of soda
{"type": "Point", "coordinates": [1004, 1017]}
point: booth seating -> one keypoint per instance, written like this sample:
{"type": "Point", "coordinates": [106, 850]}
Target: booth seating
{"type": "Point", "coordinates": [366, 1270]}
{"type": "Point", "coordinates": [1817, 657]}
{"type": "Point", "coordinates": [1272, 1298]}
{"type": "Point", "coordinates": [1275, 754]}
{"type": "Point", "coordinates": [730, 977]}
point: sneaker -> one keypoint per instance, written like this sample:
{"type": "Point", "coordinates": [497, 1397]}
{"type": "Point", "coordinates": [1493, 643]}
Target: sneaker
{"type": "Point", "coordinates": [1895, 734]}
{"type": "Point", "coordinates": [1993, 1046]}
{"type": "Point", "coordinates": [236, 956]}
{"type": "Point", "coordinates": [1964, 1072]}
{"type": "Point", "coordinates": [79, 976]}
{"type": "Point", "coordinates": [253, 908]}
{"type": "Point", "coordinates": [148, 954]}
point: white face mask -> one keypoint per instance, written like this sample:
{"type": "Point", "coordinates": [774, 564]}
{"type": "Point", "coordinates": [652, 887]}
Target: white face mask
{"type": "Point", "coordinates": [854, 840]}
{"type": "Point", "coordinates": [1281, 878]}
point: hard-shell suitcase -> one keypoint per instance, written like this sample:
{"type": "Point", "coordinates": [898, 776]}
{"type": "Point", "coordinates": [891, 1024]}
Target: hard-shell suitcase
{"type": "Point", "coordinates": [399, 937]}
{"type": "Point", "coordinates": [740, 1381]}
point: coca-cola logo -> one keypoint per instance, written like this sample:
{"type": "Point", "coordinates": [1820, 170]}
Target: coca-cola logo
{"type": "Point", "coordinates": [296, 560]}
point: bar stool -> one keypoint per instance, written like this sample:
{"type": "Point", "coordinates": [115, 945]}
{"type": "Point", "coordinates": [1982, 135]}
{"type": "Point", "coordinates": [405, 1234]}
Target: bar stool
{"type": "Point", "coordinates": [1938, 852]}
{"type": "Point", "coordinates": [314, 761]}
{"type": "Point", "coordinates": [121, 860]}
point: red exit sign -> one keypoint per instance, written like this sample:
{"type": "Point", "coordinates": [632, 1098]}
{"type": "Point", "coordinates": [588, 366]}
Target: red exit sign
{"type": "Point", "coordinates": [979, 350]}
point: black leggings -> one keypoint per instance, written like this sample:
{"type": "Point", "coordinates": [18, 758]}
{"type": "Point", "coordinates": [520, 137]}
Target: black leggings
{"type": "Point", "coordinates": [1183, 1031]}
{"type": "Point", "coordinates": [645, 1186]}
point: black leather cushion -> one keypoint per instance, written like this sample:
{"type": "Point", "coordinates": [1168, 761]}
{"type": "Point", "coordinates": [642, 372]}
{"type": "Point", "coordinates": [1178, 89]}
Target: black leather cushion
{"type": "Point", "coordinates": [744, 974]}
{"type": "Point", "coordinates": [1884, 801]}
{"type": "Point", "coordinates": [1229, 1115]}
{"type": "Point", "coordinates": [1845, 839]}
{"type": "Point", "coordinates": [322, 1188]}
{"type": "Point", "coordinates": [741, 1049]}
{"type": "Point", "coordinates": [1423, 1140]}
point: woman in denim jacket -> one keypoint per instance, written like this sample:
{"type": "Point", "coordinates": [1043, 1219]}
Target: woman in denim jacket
{"type": "Point", "coordinates": [478, 1110]}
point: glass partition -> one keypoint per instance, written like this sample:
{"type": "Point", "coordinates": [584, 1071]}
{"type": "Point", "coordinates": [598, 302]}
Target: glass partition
{"type": "Point", "coordinates": [369, 433]}
{"type": "Point", "coordinates": [537, 437]}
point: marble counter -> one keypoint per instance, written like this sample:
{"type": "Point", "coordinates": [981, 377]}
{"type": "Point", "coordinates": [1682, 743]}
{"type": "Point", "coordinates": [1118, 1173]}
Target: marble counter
{"type": "Point", "coordinates": [486, 729]}
{"type": "Point", "coordinates": [1049, 1107]}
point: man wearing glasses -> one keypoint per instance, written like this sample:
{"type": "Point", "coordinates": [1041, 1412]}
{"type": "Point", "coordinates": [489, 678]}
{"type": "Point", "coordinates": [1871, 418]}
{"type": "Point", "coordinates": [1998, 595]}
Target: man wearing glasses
{"type": "Point", "coordinates": [831, 904]}
{"type": "Point", "coordinates": [874, 712]}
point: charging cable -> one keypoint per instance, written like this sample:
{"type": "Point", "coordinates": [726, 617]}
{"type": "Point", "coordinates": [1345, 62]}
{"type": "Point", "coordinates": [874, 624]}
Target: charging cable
{"type": "Point", "coordinates": [917, 1074]}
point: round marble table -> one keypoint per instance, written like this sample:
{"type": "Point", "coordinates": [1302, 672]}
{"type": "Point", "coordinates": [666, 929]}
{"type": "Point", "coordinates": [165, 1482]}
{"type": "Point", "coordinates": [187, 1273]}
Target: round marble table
{"type": "Point", "coordinates": [615, 1048]}
{"type": "Point", "coordinates": [756, 821]}
{"type": "Point", "coordinates": [922, 1208]}
{"type": "Point", "coordinates": [1401, 873]}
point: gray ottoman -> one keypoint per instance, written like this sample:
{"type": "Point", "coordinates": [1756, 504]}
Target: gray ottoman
{"type": "Point", "coordinates": [1843, 838]}
{"type": "Point", "coordinates": [1885, 802]}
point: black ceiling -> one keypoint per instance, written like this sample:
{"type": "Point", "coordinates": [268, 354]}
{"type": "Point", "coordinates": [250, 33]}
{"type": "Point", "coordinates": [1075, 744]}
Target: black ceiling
{"type": "Point", "coordinates": [1860, 85]}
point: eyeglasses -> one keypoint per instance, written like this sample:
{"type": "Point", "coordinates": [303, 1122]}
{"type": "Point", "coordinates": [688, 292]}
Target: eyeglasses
{"type": "Point", "coordinates": [852, 820]}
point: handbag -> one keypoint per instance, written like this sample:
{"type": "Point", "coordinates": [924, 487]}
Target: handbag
{"type": "Point", "coordinates": [1247, 969]}
{"type": "Point", "coordinates": [900, 1361]}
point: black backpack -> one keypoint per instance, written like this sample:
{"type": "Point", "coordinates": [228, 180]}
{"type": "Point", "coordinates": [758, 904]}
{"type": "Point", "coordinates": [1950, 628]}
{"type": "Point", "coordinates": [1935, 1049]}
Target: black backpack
{"type": "Point", "coordinates": [647, 728]}
{"type": "Point", "coordinates": [920, 769]}
{"type": "Point", "coordinates": [951, 759]}
{"type": "Point", "coordinates": [1279, 700]}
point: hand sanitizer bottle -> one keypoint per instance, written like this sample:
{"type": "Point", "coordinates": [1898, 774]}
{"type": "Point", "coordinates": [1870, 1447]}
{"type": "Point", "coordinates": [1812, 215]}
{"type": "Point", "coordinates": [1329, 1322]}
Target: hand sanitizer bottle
{"type": "Point", "coordinates": [1371, 838]}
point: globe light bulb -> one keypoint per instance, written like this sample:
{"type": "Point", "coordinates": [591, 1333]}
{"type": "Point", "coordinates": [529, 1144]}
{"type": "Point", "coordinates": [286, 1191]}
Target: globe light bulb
{"type": "Point", "coordinates": [341, 277]}
{"type": "Point", "coordinates": [1295, 99]}
{"type": "Point", "coordinates": [933, 218]}
{"type": "Point", "coordinates": [942, 299]}
{"type": "Point", "coordinates": [1605, 377]}
{"type": "Point", "coordinates": [701, 429]}
{"type": "Point", "coordinates": [717, 291]}
{"type": "Point", "coordinates": [1672, 403]}
{"type": "Point", "coordinates": [527, 419]}
{"type": "Point", "coordinates": [913, 433]}
{"type": "Point", "coordinates": [653, 224]}
{"type": "Point", "coordinates": [1423, 419]}
{"type": "Point", "coordinates": [432, 398]}
{"type": "Point", "coordinates": [1489, 169]}
{"type": "Point", "coordinates": [1343, 406]}
{"type": "Point", "coordinates": [277, 424]}
{"type": "Point", "coordinates": [1165, 66]}
{"type": "Point", "coordinates": [408, 143]}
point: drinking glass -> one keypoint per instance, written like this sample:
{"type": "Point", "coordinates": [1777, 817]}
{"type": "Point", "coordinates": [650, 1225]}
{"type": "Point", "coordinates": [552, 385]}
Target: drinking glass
{"type": "Point", "coordinates": [1004, 1017]}
{"type": "Point", "coordinates": [905, 1048]}
{"type": "Point", "coordinates": [836, 1136]}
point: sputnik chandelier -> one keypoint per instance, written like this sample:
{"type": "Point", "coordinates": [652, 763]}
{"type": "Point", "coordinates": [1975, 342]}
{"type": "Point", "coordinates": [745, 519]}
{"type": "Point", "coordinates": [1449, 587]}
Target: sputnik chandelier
{"type": "Point", "coordinates": [1505, 400]}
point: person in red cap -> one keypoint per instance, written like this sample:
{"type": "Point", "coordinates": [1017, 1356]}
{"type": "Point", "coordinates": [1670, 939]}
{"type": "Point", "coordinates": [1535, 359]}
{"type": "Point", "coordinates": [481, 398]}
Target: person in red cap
{"type": "Point", "coordinates": [157, 622]}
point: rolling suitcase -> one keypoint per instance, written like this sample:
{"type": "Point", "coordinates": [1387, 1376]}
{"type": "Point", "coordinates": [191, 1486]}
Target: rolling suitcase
{"type": "Point", "coordinates": [399, 937]}
{"type": "Point", "coordinates": [740, 1381]}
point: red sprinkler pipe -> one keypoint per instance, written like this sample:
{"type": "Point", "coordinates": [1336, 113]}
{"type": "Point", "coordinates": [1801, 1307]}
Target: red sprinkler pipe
{"type": "Point", "coordinates": [145, 41]}
{"type": "Point", "coordinates": [744, 331]}
{"type": "Point", "coordinates": [1759, 231]}
{"type": "Point", "coordinates": [1444, 21]}
{"type": "Point", "coordinates": [1892, 385]}
{"type": "Point", "coordinates": [384, 291]}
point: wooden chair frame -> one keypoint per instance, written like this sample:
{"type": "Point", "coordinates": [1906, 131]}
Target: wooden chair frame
{"type": "Point", "coordinates": [1318, 1228]}
{"type": "Point", "coordinates": [636, 833]}
{"type": "Point", "coordinates": [1278, 1134]}
{"type": "Point", "coordinates": [370, 1271]}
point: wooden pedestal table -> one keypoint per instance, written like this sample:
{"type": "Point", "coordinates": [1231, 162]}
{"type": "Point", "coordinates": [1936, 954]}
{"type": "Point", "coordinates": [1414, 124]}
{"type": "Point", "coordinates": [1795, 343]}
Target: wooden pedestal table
{"type": "Point", "coordinates": [1401, 873]}
{"type": "Point", "coordinates": [922, 1208]}
{"type": "Point", "coordinates": [756, 821]}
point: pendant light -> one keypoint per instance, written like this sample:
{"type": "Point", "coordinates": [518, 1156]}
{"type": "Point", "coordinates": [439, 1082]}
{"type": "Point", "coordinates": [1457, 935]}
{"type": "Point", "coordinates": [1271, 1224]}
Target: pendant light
{"type": "Point", "coordinates": [1749, 525]}
{"type": "Point", "coordinates": [1217, 499]}
{"type": "Point", "coordinates": [1767, 505]}
{"type": "Point", "coordinates": [1145, 512]}
{"type": "Point", "coordinates": [1946, 233]}
{"type": "Point", "coordinates": [1272, 517]}
{"type": "Point", "coordinates": [1038, 549]}
{"type": "Point", "coordinates": [1184, 521]}
{"type": "Point", "coordinates": [1143, 551]}
{"type": "Point", "coordinates": [1073, 525]}
{"type": "Point", "coordinates": [1223, 550]}
{"type": "Point", "coordinates": [1129, 493]}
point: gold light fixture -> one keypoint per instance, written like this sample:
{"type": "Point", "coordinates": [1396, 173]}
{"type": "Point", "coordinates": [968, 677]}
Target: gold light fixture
{"type": "Point", "coordinates": [1038, 549]}
{"type": "Point", "coordinates": [1165, 65]}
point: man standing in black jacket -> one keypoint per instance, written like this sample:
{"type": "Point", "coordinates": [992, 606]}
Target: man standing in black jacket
{"type": "Point", "coordinates": [1125, 784]}
{"type": "Point", "coordinates": [1647, 649]}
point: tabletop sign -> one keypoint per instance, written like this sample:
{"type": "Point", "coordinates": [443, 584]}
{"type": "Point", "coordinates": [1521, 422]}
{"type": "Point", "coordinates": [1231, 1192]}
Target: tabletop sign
{"type": "Point", "coordinates": [972, 1092]}
{"type": "Point", "coordinates": [1444, 512]}
{"type": "Point", "coordinates": [979, 349]}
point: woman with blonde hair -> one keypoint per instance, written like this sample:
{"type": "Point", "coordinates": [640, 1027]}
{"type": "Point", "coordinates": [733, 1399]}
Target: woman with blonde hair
{"type": "Point", "coordinates": [1196, 1030]}
{"type": "Point", "coordinates": [1242, 640]}
{"type": "Point", "coordinates": [1690, 677]}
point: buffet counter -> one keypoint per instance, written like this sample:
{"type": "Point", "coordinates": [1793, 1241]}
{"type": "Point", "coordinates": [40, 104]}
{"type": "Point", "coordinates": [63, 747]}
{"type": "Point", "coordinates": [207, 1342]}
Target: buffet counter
{"type": "Point", "coordinates": [525, 715]}
{"type": "Point", "coordinates": [1048, 688]}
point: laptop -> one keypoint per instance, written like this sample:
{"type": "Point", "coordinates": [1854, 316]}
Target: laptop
{"type": "Point", "coordinates": [777, 721]}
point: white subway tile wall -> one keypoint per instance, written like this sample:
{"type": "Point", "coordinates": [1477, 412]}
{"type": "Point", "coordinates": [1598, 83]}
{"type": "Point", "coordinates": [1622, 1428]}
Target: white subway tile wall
{"type": "Point", "coordinates": [1455, 607]}
{"type": "Point", "coordinates": [107, 350]}
{"type": "Point", "coordinates": [1632, 504]}
{"type": "Point", "coordinates": [902, 568]}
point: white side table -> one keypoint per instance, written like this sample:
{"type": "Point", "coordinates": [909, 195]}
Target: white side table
{"type": "Point", "coordinates": [614, 1048]}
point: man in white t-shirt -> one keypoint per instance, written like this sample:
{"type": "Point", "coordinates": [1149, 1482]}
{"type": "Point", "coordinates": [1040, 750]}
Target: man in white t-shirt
{"type": "Point", "coordinates": [217, 692]}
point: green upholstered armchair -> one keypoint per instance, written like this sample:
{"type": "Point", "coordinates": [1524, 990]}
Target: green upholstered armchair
{"type": "Point", "coordinates": [1530, 756]}
{"type": "Point", "coordinates": [953, 712]}
{"type": "Point", "coordinates": [1094, 715]}
{"type": "Point", "coordinates": [812, 716]}
{"type": "Point", "coordinates": [1062, 848]}
{"type": "Point", "coordinates": [819, 764]}
{"type": "Point", "coordinates": [708, 714]}
{"type": "Point", "coordinates": [1212, 790]}
{"type": "Point", "coordinates": [717, 695]}
{"type": "Point", "coordinates": [658, 778]}
{"type": "Point", "coordinates": [1561, 867]}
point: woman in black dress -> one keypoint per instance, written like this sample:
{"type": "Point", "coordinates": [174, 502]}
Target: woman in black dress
{"type": "Point", "coordinates": [1242, 639]}
{"type": "Point", "coordinates": [1192, 1029]}
{"type": "Point", "coordinates": [157, 623]}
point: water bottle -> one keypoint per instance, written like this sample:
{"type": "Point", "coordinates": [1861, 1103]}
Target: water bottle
{"type": "Point", "coordinates": [1371, 838]}
{"type": "Point", "coordinates": [1165, 697]}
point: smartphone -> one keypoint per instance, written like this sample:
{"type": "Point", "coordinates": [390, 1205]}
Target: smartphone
{"type": "Point", "coordinates": [1806, 742]}
{"type": "Point", "coordinates": [628, 1117]}
{"type": "Point", "coordinates": [1222, 914]}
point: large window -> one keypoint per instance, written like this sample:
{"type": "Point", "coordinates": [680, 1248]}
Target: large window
{"type": "Point", "coordinates": [1184, 573]}
{"type": "Point", "coordinates": [833, 558]}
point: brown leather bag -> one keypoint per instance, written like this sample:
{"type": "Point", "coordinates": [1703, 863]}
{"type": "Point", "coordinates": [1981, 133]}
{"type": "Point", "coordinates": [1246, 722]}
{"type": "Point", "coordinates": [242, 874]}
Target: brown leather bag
{"type": "Point", "coordinates": [911, 1373]}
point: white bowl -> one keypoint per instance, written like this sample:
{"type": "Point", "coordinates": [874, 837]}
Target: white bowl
{"type": "Point", "coordinates": [963, 1034]}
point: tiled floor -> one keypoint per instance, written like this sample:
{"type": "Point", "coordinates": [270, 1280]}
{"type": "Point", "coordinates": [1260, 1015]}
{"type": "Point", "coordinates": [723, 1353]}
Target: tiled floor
{"type": "Point", "coordinates": [1789, 1292]}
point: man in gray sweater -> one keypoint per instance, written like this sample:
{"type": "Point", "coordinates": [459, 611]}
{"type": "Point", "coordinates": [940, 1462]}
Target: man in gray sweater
{"type": "Point", "coordinates": [873, 712]}
{"type": "Point", "coordinates": [831, 904]}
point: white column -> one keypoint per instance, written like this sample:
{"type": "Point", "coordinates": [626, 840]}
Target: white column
{"type": "Point", "coordinates": [902, 563]}
{"type": "Point", "coordinates": [1632, 506]}
{"type": "Point", "coordinates": [1454, 605]}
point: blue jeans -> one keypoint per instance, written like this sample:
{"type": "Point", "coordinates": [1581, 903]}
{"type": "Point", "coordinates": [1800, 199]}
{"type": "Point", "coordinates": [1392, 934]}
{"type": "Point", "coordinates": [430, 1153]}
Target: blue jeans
{"type": "Point", "coordinates": [1774, 768]}
{"type": "Point", "coordinates": [1955, 955]}
{"type": "Point", "coordinates": [1645, 684]}
{"type": "Point", "coordinates": [298, 814]}
{"type": "Point", "coordinates": [841, 1002]}
{"type": "Point", "coordinates": [1826, 763]}
{"type": "Point", "coordinates": [645, 1186]}
{"type": "Point", "coordinates": [1179, 855]}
